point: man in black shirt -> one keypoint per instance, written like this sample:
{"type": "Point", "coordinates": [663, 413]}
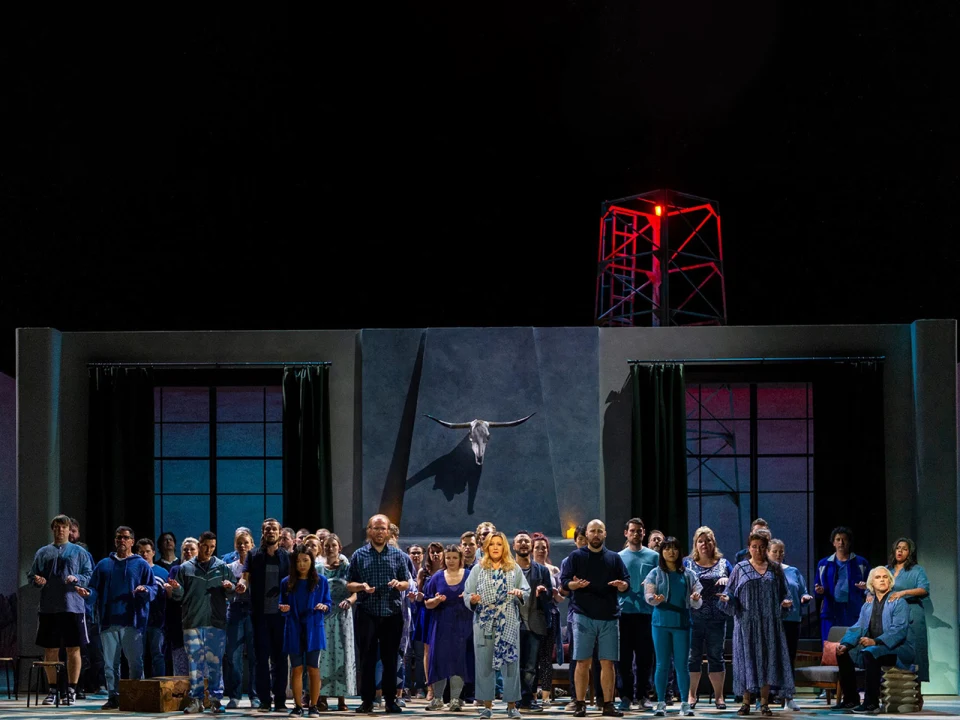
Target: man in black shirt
{"type": "Point", "coordinates": [596, 576]}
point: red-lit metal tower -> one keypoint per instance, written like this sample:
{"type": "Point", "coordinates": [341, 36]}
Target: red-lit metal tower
{"type": "Point", "coordinates": [660, 261]}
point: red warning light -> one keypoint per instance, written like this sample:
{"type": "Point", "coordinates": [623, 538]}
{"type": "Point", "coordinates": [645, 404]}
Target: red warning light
{"type": "Point", "coordinates": [658, 210]}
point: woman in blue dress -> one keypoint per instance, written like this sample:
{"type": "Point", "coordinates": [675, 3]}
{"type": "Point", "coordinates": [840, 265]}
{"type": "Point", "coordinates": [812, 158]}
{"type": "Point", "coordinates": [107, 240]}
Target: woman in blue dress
{"type": "Point", "coordinates": [755, 595]}
{"type": "Point", "coordinates": [451, 629]}
{"type": "Point", "coordinates": [910, 584]}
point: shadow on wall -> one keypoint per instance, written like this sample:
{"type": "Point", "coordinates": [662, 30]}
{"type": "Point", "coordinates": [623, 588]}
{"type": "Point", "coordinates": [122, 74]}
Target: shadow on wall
{"type": "Point", "coordinates": [454, 472]}
{"type": "Point", "coordinates": [617, 453]}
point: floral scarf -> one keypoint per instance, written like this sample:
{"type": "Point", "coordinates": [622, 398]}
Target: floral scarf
{"type": "Point", "coordinates": [499, 616]}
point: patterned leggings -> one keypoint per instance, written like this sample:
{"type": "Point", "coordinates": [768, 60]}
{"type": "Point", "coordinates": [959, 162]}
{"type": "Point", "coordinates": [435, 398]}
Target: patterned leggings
{"type": "Point", "coordinates": [204, 647]}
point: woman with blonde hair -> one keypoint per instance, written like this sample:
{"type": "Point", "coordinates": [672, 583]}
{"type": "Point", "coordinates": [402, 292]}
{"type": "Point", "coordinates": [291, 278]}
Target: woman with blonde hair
{"type": "Point", "coordinates": [879, 638]}
{"type": "Point", "coordinates": [239, 632]}
{"type": "Point", "coordinates": [495, 589]}
{"type": "Point", "coordinates": [709, 621]}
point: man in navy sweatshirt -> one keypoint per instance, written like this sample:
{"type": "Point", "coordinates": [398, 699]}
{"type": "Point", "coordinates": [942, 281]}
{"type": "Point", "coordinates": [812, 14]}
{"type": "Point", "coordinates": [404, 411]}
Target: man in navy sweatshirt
{"type": "Point", "coordinates": [60, 570]}
{"type": "Point", "coordinates": [122, 586]}
{"type": "Point", "coordinates": [596, 577]}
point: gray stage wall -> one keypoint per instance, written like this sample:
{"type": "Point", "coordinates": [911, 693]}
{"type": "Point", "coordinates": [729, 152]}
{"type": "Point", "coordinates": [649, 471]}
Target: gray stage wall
{"type": "Point", "coordinates": [584, 452]}
{"type": "Point", "coordinates": [539, 475]}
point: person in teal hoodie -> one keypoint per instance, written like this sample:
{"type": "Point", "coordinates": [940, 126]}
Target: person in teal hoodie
{"type": "Point", "coordinates": [202, 586]}
{"type": "Point", "coordinates": [304, 600]}
{"type": "Point", "coordinates": [122, 587]}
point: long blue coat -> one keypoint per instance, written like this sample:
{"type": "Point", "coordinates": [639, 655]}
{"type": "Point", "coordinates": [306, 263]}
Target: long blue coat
{"type": "Point", "coordinates": [302, 603]}
{"type": "Point", "coordinates": [896, 622]}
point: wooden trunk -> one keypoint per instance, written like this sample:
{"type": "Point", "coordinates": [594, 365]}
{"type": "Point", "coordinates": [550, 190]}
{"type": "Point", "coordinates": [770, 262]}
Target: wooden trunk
{"type": "Point", "coordinates": [157, 695]}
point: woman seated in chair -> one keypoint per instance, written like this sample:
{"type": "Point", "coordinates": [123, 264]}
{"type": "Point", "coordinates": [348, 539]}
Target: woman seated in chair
{"type": "Point", "coordinates": [878, 638]}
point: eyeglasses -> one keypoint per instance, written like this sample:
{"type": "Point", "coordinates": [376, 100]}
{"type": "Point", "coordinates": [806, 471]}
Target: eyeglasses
{"type": "Point", "coordinates": [124, 537]}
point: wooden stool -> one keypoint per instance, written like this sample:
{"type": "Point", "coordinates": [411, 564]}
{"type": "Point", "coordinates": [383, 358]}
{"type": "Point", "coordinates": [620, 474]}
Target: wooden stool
{"type": "Point", "coordinates": [8, 666]}
{"type": "Point", "coordinates": [40, 666]}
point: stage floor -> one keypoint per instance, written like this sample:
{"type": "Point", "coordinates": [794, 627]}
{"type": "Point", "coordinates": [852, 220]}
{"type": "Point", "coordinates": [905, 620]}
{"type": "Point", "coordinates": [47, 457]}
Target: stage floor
{"type": "Point", "coordinates": [937, 706]}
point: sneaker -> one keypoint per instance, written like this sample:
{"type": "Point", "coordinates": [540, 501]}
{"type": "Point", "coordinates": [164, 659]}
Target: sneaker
{"type": "Point", "coordinates": [486, 713]}
{"type": "Point", "coordinates": [792, 705]}
{"type": "Point", "coordinates": [102, 690]}
{"type": "Point", "coordinates": [393, 708]}
{"type": "Point", "coordinates": [686, 710]}
{"type": "Point", "coordinates": [51, 698]}
{"type": "Point", "coordinates": [571, 706]}
{"type": "Point", "coordinates": [513, 713]}
{"type": "Point", "coordinates": [112, 703]}
{"type": "Point", "coordinates": [80, 694]}
{"type": "Point", "coordinates": [866, 708]}
{"type": "Point", "coordinates": [232, 704]}
{"type": "Point", "coordinates": [580, 708]}
{"type": "Point", "coordinates": [264, 708]}
{"type": "Point", "coordinates": [216, 707]}
{"type": "Point", "coordinates": [623, 705]}
{"type": "Point", "coordinates": [314, 711]}
{"type": "Point", "coordinates": [531, 708]}
{"type": "Point", "coordinates": [296, 712]}
{"type": "Point", "coordinates": [255, 703]}
{"type": "Point", "coordinates": [456, 705]}
{"type": "Point", "coordinates": [661, 710]}
{"type": "Point", "coordinates": [610, 710]}
{"type": "Point", "coordinates": [845, 706]}
{"type": "Point", "coordinates": [195, 706]}
{"type": "Point", "coordinates": [401, 702]}
{"type": "Point", "coordinates": [364, 707]}
{"type": "Point", "coordinates": [435, 704]}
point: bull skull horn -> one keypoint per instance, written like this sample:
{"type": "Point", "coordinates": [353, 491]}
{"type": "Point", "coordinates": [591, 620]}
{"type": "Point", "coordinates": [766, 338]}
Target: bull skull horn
{"type": "Point", "coordinates": [455, 426]}
{"type": "Point", "coordinates": [512, 423]}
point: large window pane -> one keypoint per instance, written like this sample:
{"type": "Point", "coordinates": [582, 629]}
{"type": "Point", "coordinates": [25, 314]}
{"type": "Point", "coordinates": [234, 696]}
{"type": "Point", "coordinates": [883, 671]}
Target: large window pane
{"type": "Point", "coordinates": [185, 404]}
{"type": "Point", "coordinates": [234, 511]}
{"type": "Point", "coordinates": [275, 476]}
{"type": "Point", "coordinates": [186, 476]}
{"type": "Point", "coordinates": [185, 515]}
{"type": "Point", "coordinates": [240, 403]}
{"type": "Point", "coordinates": [186, 440]}
{"type": "Point", "coordinates": [724, 474]}
{"type": "Point", "coordinates": [720, 513]}
{"type": "Point", "coordinates": [239, 476]}
{"type": "Point", "coordinates": [274, 404]}
{"type": "Point", "coordinates": [274, 510]}
{"type": "Point", "coordinates": [274, 440]}
{"type": "Point", "coordinates": [776, 437]}
{"type": "Point", "coordinates": [782, 401]}
{"type": "Point", "coordinates": [731, 437]}
{"type": "Point", "coordinates": [782, 473]}
{"type": "Point", "coordinates": [721, 402]}
{"type": "Point", "coordinates": [240, 439]}
{"type": "Point", "coordinates": [787, 515]}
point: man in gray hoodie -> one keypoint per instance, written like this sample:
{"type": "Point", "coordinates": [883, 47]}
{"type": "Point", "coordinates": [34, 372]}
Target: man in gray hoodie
{"type": "Point", "coordinates": [203, 586]}
{"type": "Point", "coordinates": [60, 569]}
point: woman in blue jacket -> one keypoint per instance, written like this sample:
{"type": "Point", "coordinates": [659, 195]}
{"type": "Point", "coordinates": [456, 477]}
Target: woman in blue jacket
{"type": "Point", "coordinates": [879, 638]}
{"type": "Point", "coordinates": [673, 590]}
{"type": "Point", "coordinates": [304, 599]}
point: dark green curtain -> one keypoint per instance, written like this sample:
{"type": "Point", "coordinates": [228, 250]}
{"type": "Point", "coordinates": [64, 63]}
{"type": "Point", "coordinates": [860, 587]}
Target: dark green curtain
{"type": "Point", "coordinates": [659, 457]}
{"type": "Point", "coordinates": [120, 452]}
{"type": "Point", "coordinates": [849, 482]}
{"type": "Point", "coordinates": [307, 475]}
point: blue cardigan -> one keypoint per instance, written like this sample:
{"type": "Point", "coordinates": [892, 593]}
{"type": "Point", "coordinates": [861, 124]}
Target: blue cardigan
{"type": "Point", "coordinates": [302, 603]}
{"type": "Point", "coordinates": [857, 571]}
{"type": "Point", "coordinates": [893, 640]}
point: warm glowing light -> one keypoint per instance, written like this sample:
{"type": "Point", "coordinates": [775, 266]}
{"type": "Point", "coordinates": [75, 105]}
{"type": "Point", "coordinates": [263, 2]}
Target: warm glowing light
{"type": "Point", "coordinates": [570, 532]}
{"type": "Point", "coordinates": [658, 210]}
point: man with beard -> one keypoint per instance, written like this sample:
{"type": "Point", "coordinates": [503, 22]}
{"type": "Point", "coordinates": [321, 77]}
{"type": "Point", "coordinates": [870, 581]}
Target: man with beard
{"type": "Point", "coordinates": [264, 569]}
{"type": "Point", "coordinates": [636, 638]}
{"type": "Point", "coordinates": [379, 575]}
{"type": "Point", "coordinates": [533, 619]}
{"type": "Point", "coordinates": [596, 577]}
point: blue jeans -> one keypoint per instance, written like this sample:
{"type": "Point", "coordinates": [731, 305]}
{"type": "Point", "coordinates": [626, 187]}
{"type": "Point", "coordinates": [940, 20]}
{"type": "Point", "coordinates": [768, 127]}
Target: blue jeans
{"type": "Point", "coordinates": [529, 649]}
{"type": "Point", "coordinates": [155, 648]}
{"type": "Point", "coordinates": [239, 636]}
{"type": "Point", "coordinates": [115, 639]}
{"type": "Point", "coordinates": [706, 638]}
{"type": "Point", "coordinates": [671, 643]}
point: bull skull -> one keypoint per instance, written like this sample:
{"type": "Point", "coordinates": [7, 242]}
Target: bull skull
{"type": "Point", "coordinates": [479, 431]}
